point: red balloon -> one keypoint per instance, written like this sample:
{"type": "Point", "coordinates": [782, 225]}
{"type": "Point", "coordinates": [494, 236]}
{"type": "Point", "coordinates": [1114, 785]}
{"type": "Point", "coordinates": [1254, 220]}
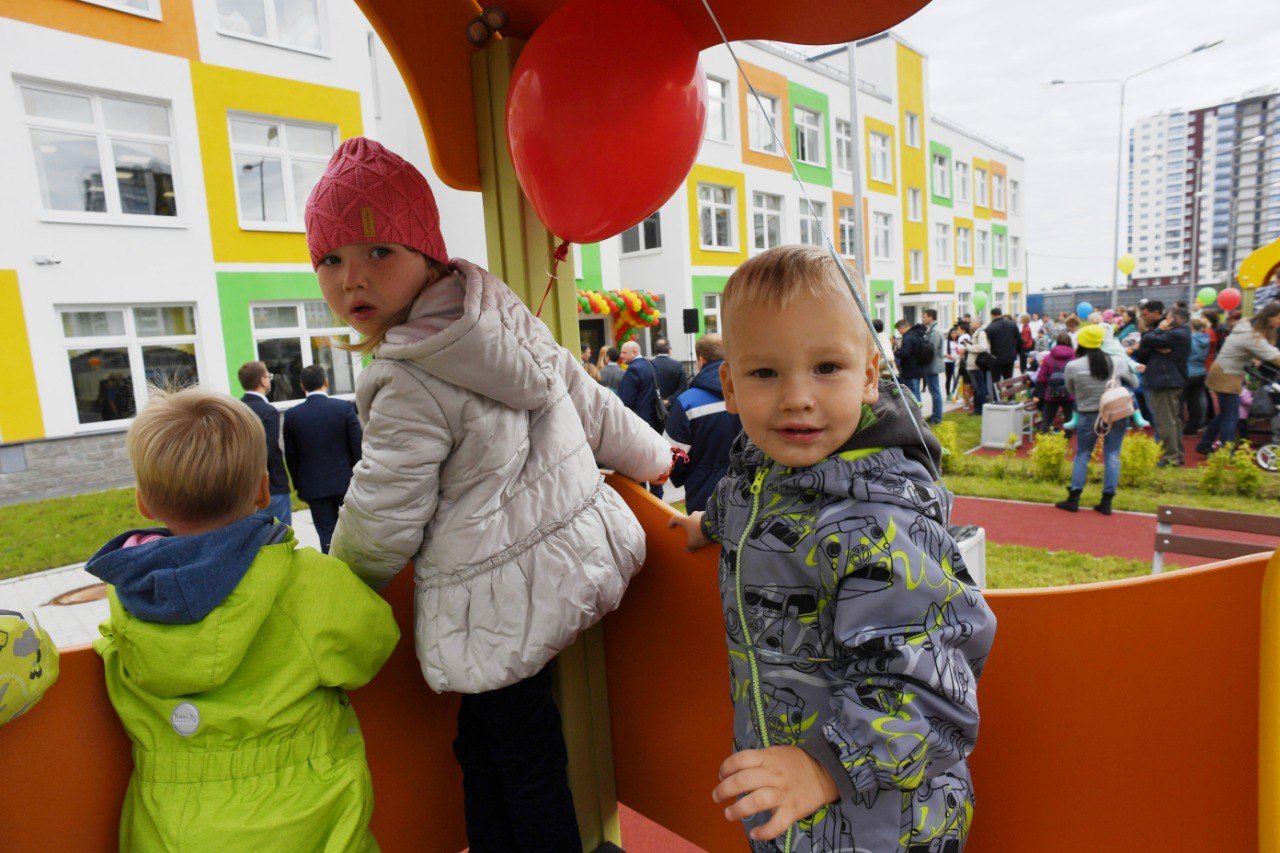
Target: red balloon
{"type": "Point", "coordinates": [1229, 299]}
{"type": "Point", "coordinates": [605, 115]}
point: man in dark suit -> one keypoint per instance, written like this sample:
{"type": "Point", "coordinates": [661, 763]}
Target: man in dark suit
{"type": "Point", "coordinates": [672, 380]}
{"type": "Point", "coordinates": [1006, 343]}
{"type": "Point", "coordinates": [321, 445]}
{"type": "Point", "coordinates": [639, 392]}
{"type": "Point", "coordinates": [256, 382]}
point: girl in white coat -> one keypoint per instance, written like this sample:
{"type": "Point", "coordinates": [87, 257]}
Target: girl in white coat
{"type": "Point", "coordinates": [481, 442]}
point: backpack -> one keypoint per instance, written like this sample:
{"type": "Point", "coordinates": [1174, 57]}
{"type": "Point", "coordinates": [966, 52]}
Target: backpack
{"type": "Point", "coordinates": [1056, 387]}
{"type": "Point", "coordinates": [661, 411]}
{"type": "Point", "coordinates": [1115, 405]}
{"type": "Point", "coordinates": [924, 353]}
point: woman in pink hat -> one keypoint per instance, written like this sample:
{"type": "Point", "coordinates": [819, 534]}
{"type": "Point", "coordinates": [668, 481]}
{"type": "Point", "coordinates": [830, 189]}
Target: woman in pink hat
{"type": "Point", "coordinates": [482, 438]}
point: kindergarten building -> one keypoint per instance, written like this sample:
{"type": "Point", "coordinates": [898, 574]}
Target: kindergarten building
{"type": "Point", "coordinates": [161, 152]}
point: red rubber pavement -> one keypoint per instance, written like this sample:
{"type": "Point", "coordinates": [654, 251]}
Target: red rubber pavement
{"type": "Point", "coordinates": [1121, 534]}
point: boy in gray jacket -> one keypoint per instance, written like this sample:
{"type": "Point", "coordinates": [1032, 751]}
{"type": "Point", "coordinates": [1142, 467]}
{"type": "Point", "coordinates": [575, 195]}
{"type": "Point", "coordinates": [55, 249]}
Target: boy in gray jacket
{"type": "Point", "coordinates": [855, 633]}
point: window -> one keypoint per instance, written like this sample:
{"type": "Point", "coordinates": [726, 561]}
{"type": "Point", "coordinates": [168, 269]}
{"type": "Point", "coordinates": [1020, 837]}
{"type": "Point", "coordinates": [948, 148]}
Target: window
{"type": "Point", "coordinates": [962, 181]}
{"type": "Point", "coordinates": [1015, 197]}
{"type": "Point", "coordinates": [715, 217]}
{"type": "Point", "coordinates": [984, 248]}
{"type": "Point", "coordinates": [941, 175]}
{"type": "Point", "coordinates": [718, 109]}
{"type": "Point", "coordinates": [759, 134]}
{"type": "Point", "coordinates": [882, 311]}
{"type": "Point", "coordinates": [964, 237]}
{"type": "Point", "coordinates": [942, 243]}
{"type": "Point", "coordinates": [913, 130]}
{"type": "Point", "coordinates": [848, 240]}
{"type": "Point", "coordinates": [766, 217]}
{"type": "Point", "coordinates": [811, 222]}
{"type": "Point", "coordinates": [115, 353]}
{"type": "Point", "coordinates": [881, 164]}
{"type": "Point", "coordinates": [980, 187]}
{"type": "Point", "coordinates": [1001, 260]}
{"type": "Point", "coordinates": [276, 165]}
{"type": "Point", "coordinates": [917, 265]}
{"type": "Point", "coordinates": [997, 192]}
{"type": "Point", "coordinates": [711, 313]}
{"type": "Point", "coordinates": [844, 146]}
{"type": "Point", "coordinates": [964, 303]}
{"type": "Point", "coordinates": [142, 8]}
{"type": "Point", "coordinates": [289, 336]}
{"type": "Point", "coordinates": [809, 136]}
{"type": "Point", "coordinates": [288, 23]}
{"type": "Point", "coordinates": [100, 158]}
{"type": "Point", "coordinates": [645, 237]}
{"type": "Point", "coordinates": [882, 236]}
{"type": "Point", "coordinates": [1015, 261]}
{"type": "Point", "coordinates": [915, 205]}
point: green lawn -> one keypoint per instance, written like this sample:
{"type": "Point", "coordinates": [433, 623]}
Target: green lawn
{"type": "Point", "coordinates": [1019, 566]}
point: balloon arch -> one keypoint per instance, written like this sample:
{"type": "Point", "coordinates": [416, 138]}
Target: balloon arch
{"type": "Point", "coordinates": [632, 310]}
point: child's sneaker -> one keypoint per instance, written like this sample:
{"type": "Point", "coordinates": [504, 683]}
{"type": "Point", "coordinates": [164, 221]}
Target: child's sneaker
{"type": "Point", "coordinates": [1072, 422]}
{"type": "Point", "coordinates": [1139, 421]}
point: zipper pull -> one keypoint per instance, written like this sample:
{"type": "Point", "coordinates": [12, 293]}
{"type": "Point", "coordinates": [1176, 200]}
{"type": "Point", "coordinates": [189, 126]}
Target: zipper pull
{"type": "Point", "coordinates": [757, 485]}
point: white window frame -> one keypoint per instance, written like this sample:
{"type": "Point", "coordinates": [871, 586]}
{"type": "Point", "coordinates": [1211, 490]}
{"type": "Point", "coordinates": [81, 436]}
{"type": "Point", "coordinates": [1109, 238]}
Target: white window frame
{"type": "Point", "coordinates": [811, 222]}
{"type": "Point", "coordinates": [980, 187]}
{"type": "Point", "coordinates": [846, 217]}
{"type": "Point", "coordinates": [114, 214]}
{"type": "Point", "coordinates": [152, 11]}
{"type": "Point", "coordinates": [1015, 247]}
{"type": "Point", "coordinates": [715, 207]}
{"type": "Point", "coordinates": [882, 236]}
{"type": "Point", "coordinates": [982, 247]}
{"type": "Point", "coordinates": [964, 236]}
{"type": "Point", "coordinates": [272, 37]}
{"type": "Point", "coordinates": [303, 334]}
{"type": "Point", "coordinates": [941, 172]}
{"type": "Point", "coordinates": [962, 180]}
{"type": "Point", "coordinates": [294, 221]}
{"type": "Point", "coordinates": [130, 340]}
{"type": "Point", "coordinates": [759, 211]}
{"type": "Point", "coordinates": [915, 265]}
{"type": "Point", "coordinates": [999, 251]}
{"type": "Point", "coordinates": [915, 204]}
{"type": "Point", "coordinates": [1015, 197]}
{"type": "Point", "coordinates": [964, 303]}
{"type": "Point", "coordinates": [997, 192]}
{"type": "Point", "coordinates": [711, 313]}
{"type": "Point", "coordinates": [912, 130]}
{"type": "Point", "coordinates": [725, 110]}
{"type": "Point", "coordinates": [941, 243]}
{"type": "Point", "coordinates": [881, 158]}
{"type": "Point", "coordinates": [844, 145]}
{"type": "Point", "coordinates": [808, 129]}
{"type": "Point", "coordinates": [645, 248]}
{"type": "Point", "coordinates": [759, 137]}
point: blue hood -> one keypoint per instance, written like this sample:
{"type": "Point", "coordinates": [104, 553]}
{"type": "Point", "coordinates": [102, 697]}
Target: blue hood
{"type": "Point", "coordinates": [708, 379]}
{"type": "Point", "coordinates": [179, 580]}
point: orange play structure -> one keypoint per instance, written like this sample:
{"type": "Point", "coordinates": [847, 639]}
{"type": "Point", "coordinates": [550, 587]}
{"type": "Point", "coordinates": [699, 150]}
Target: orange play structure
{"type": "Point", "coordinates": [1138, 714]}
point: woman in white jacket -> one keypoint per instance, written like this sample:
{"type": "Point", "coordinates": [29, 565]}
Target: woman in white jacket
{"type": "Point", "coordinates": [481, 442]}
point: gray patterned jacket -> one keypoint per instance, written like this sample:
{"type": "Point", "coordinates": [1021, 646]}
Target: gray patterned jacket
{"type": "Point", "coordinates": [855, 632]}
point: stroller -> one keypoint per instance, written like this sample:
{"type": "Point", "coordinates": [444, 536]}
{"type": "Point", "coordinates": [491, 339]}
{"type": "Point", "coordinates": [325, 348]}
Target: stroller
{"type": "Point", "coordinates": [1264, 416]}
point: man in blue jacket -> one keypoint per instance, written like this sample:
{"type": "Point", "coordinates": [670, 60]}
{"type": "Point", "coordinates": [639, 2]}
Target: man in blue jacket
{"type": "Point", "coordinates": [321, 445]}
{"type": "Point", "coordinates": [701, 427]}
{"type": "Point", "coordinates": [256, 380]}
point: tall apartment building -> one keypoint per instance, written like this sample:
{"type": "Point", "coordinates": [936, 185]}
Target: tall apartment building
{"type": "Point", "coordinates": [942, 206]}
{"type": "Point", "coordinates": [1204, 190]}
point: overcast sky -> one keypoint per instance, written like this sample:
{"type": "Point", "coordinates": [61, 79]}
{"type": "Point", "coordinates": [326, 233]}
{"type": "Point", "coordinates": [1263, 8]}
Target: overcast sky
{"type": "Point", "coordinates": [988, 59]}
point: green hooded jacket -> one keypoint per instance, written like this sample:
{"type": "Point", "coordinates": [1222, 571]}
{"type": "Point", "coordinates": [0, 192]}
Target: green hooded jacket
{"type": "Point", "coordinates": [243, 735]}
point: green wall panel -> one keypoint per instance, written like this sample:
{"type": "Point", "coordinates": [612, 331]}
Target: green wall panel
{"type": "Point", "coordinates": [704, 284]}
{"type": "Point", "coordinates": [811, 99]}
{"type": "Point", "coordinates": [236, 290]}
{"type": "Point", "coordinates": [945, 151]}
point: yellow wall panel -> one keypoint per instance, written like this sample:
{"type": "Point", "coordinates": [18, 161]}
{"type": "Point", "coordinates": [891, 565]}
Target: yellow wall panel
{"type": "Point", "coordinates": [725, 178]}
{"type": "Point", "coordinates": [915, 165]}
{"type": "Point", "coordinates": [948, 286]}
{"type": "Point", "coordinates": [956, 224]}
{"type": "Point", "coordinates": [221, 90]}
{"type": "Point", "coordinates": [20, 417]}
{"type": "Point", "coordinates": [874, 125]}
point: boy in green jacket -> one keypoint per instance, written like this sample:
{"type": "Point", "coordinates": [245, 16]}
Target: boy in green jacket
{"type": "Point", "coordinates": [228, 650]}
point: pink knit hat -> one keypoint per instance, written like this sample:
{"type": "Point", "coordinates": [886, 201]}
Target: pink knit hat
{"type": "Point", "coordinates": [371, 195]}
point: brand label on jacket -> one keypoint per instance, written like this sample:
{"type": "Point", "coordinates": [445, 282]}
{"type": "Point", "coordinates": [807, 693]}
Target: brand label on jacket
{"type": "Point", "coordinates": [185, 719]}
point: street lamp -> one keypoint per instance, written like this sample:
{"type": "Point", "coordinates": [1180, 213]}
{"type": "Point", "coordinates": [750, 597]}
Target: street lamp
{"type": "Point", "coordinates": [1123, 82]}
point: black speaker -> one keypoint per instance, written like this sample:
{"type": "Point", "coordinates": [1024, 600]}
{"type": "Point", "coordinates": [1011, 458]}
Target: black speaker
{"type": "Point", "coordinates": [691, 321]}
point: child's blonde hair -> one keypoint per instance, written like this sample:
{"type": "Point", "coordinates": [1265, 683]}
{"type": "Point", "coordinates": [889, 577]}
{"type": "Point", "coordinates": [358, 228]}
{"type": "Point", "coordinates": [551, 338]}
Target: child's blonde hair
{"type": "Point", "coordinates": [1200, 324]}
{"type": "Point", "coordinates": [198, 455]}
{"type": "Point", "coordinates": [370, 343]}
{"type": "Point", "coordinates": [782, 277]}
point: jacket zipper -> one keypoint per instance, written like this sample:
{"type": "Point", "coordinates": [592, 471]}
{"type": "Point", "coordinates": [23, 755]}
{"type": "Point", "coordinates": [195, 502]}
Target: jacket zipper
{"type": "Point", "coordinates": [757, 486]}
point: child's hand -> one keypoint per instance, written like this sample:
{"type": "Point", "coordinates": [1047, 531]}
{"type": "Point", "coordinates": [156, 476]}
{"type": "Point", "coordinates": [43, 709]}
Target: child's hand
{"type": "Point", "coordinates": [783, 779]}
{"type": "Point", "coordinates": [692, 525]}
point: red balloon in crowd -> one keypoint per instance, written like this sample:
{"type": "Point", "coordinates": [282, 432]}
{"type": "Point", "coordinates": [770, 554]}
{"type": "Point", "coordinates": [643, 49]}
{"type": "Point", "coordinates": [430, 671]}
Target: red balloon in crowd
{"type": "Point", "coordinates": [1229, 299]}
{"type": "Point", "coordinates": [605, 115]}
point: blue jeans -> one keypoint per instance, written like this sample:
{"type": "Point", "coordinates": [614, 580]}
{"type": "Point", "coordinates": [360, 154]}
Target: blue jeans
{"type": "Point", "coordinates": [1086, 438]}
{"type": "Point", "coordinates": [1223, 426]}
{"type": "Point", "coordinates": [978, 379]}
{"type": "Point", "coordinates": [912, 385]}
{"type": "Point", "coordinates": [281, 507]}
{"type": "Point", "coordinates": [935, 391]}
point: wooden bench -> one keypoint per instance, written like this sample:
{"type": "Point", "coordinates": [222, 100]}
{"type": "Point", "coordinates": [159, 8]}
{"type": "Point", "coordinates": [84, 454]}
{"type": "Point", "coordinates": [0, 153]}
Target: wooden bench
{"type": "Point", "coordinates": [1019, 390]}
{"type": "Point", "coordinates": [1206, 546]}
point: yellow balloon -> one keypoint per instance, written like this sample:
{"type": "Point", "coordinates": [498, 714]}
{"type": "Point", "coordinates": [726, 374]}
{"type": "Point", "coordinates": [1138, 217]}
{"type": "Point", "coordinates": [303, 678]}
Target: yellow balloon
{"type": "Point", "coordinates": [1126, 263]}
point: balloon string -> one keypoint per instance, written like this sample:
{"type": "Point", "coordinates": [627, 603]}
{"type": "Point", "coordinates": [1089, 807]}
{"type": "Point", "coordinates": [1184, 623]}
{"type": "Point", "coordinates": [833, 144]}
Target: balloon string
{"type": "Point", "coordinates": [561, 252]}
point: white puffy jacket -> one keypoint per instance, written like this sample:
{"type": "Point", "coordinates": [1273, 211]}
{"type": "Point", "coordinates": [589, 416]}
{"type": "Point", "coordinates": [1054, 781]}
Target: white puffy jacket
{"type": "Point", "coordinates": [480, 447]}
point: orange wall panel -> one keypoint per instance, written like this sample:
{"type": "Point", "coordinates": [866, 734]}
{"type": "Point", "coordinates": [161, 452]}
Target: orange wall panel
{"type": "Point", "coordinates": [175, 34]}
{"type": "Point", "coordinates": [767, 83]}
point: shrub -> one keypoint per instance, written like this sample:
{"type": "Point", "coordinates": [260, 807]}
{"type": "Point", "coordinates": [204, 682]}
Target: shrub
{"type": "Point", "coordinates": [1248, 475]}
{"type": "Point", "coordinates": [1138, 457]}
{"type": "Point", "coordinates": [949, 437]}
{"type": "Point", "coordinates": [1048, 457]}
{"type": "Point", "coordinates": [1213, 473]}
